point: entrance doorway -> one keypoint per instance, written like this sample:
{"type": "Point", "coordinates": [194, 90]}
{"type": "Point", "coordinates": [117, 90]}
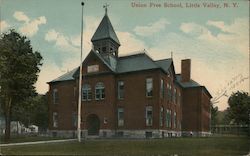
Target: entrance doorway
{"type": "Point", "coordinates": [93, 124]}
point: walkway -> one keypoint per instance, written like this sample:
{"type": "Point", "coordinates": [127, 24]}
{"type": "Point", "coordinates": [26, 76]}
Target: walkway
{"type": "Point", "coordinates": [36, 142]}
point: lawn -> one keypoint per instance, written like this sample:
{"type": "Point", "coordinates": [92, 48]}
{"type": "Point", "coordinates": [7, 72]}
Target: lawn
{"type": "Point", "coordinates": [170, 146]}
{"type": "Point", "coordinates": [16, 139]}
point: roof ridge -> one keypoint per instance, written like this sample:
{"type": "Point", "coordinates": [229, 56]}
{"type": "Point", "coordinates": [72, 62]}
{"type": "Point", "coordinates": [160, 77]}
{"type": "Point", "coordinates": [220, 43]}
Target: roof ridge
{"type": "Point", "coordinates": [164, 59]}
{"type": "Point", "coordinates": [131, 55]}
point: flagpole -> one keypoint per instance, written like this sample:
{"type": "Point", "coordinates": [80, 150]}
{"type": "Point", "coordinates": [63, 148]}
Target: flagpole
{"type": "Point", "coordinates": [80, 85]}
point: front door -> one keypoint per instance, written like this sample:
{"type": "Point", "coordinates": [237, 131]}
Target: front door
{"type": "Point", "coordinates": [93, 124]}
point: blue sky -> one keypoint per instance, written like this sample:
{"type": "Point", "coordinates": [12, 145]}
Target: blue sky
{"type": "Point", "coordinates": [215, 39]}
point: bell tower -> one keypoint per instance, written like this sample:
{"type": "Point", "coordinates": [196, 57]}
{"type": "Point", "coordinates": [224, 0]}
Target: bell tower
{"type": "Point", "coordinates": [105, 40]}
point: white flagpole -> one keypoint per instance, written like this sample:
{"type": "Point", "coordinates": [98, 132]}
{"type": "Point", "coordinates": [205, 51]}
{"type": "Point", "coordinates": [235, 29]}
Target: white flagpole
{"type": "Point", "coordinates": [80, 85]}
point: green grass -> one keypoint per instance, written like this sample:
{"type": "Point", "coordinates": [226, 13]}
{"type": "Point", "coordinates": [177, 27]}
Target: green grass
{"type": "Point", "coordinates": [170, 146]}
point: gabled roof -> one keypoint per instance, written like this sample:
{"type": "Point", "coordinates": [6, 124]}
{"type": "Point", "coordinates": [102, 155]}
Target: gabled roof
{"type": "Point", "coordinates": [65, 77]}
{"type": "Point", "coordinates": [135, 62]}
{"type": "Point", "coordinates": [164, 64]}
{"type": "Point", "coordinates": [125, 64]}
{"type": "Point", "coordinates": [190, 84]}
{"type": "Point", "coordinates": [105, 30]}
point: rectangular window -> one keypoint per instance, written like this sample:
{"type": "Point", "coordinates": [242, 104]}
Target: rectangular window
{"type": "Point", "coordinates": [175, 96]}
{"type": "Point", "coordinates": [99, 91]}
{"type": "Point", "coordinates": [120, 90]}
{"type": "Point", "coordinates": [120, 116]}
{"type": "Point", "coordinates": [161, 116]}
{"type": "Point", "coordinates": [162, 88]}
{"type": "Point", "coordinates": [175, 120]}
{"type": "Point", "coordinates": [55, 96]}
{"type": "Point", "coordinates": [55, 119]}
{"type": "Point", "coordinates": [92, 68]}
{"type": "Point", "coordinates": [149, 116]}
{"type": "Point", "coordinates": [149, 87]}
{"type": "Point", "coordinates": [74, 119]}
{"type": "Point", "coordinates": [168, 118]}
{"type": "Point", "coordinates": [179, 98]}
{"type": "Point", "coordinates": [100, 94]}
{"type": "Point", "coordinates": [169, 91]}
{"type": "Point", "coordinates": [86, 93]}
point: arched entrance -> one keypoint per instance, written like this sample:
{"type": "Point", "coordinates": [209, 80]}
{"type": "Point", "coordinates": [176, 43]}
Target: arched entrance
{"type": "Point", "coordinates": [93, 124]}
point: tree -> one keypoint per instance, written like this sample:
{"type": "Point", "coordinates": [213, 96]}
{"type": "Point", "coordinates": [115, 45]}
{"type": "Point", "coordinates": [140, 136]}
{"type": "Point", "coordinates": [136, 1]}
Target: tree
{"type": "Point", "coordinates": [214, 113]}
{"type": "Point", "coordinates": [33, 110]}
{"type": "Point", "coordinates": [239, 107]}
{"type": "Point", "coordinates": [19, 68]}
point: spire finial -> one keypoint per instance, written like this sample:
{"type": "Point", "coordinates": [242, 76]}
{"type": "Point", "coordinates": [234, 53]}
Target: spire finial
{"type": "Point", "coordinates": [105, 6]}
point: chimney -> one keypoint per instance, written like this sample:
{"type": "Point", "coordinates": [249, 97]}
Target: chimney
{"type": "Point", "coordinates": [185, 70]}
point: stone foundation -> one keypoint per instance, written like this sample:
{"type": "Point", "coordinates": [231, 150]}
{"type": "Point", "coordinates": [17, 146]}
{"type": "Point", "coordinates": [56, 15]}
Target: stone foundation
{"type": "Point", "coordinates": [107, 133]}
{"type": "Point", "coordinates": [195, 134]}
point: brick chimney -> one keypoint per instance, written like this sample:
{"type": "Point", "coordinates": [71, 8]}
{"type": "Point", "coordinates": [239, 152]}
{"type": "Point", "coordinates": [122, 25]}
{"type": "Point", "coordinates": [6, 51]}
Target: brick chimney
{"type": "Point", "coordinates": [185, 70]}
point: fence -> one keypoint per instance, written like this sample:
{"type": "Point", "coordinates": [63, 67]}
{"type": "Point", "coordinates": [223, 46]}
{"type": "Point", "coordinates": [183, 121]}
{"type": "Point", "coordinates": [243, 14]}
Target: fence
{"type": "Point", "coordinates": [231, 129]}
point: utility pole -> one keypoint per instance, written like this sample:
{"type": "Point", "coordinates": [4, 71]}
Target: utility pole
{"type": "Point", "coordinates": [80, 85]}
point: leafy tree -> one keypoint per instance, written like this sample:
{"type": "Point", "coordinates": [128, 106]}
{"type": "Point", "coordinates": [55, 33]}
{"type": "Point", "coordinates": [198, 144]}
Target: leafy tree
{"type": "Point", "coordinates": [33, 110]}
{"type": "Point", "coordinates": [214, 114]}
{"type": "Point", "coordinates": [19, 68]}
{"type": "Point", "coordinates": [239, 107]}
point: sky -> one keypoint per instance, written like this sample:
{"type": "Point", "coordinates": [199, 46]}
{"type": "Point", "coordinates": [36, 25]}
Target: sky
{"type": "Point", "coordinates": [215, 39]}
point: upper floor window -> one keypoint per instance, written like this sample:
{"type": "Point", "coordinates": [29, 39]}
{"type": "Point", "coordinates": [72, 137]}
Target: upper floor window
{"type": "Point", "coordinates": [120, 90]}
{"type": "Point", "coordinates": [120, 116]}
{"type": "Point", "coordinates": [175, 96]}
{"type": "Point", "coordinates": [86, 92]}
{"type": "Point", "coordinates": [55, 119]}
{"type": "Point", "coordinates": [169, 91]}
{"type": "Point", "coordinates": [161, 116]}
{"type": "Point", "coordinates": [149, 116]}
{"type": "Point", "coordinates": [162, 88]}
{"type": "Point", "coordinates": [149, 87]}
{"type": "Point", "coordinates": [99, 91]}
{"type": "Point", "coordinates": [93, 68]}
{"type": "Point", "coordinates": [55, 96]}
{"type": "Point", "coordinates": [179, 97]}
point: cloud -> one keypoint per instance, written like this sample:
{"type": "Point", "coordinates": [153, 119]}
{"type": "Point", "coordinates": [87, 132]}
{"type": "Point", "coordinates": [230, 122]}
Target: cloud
{"type": "Point", "coordinates": [237, 33]}
{"type": "Point", "coordinates": [20, 16]}
{"type": "Point", "coordinates": [3, 26]}
{"type": "Point", "coordinates": [234, 35]}
{"type": "Point", "coordinates": [129, 43]}
{"type": "Point", "coordinates": [151, 28]}
{"type": "Point", "coordinates": [29, 27]}
{"type": "Point", "coordinates": [197, 30]}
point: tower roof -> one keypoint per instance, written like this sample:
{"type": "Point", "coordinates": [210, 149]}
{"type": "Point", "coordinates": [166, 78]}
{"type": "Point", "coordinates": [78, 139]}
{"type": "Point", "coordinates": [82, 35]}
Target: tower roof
{"type": "Point", "coordinates": [105, 30]}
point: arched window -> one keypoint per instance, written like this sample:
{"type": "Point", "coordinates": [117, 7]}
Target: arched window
{"type": "Point", "coordinates": [99, 91]}
{"type": "Point", "coordinates": [86, 92]}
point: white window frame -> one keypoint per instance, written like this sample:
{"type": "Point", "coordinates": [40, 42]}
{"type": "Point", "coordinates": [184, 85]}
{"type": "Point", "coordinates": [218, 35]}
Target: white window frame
{"type": "Point", "coordinates": [99, 91]}
{"type": "Point", "coordinates": [86, 89]}
{"type": "Point", "coordinates": [55, 96]}
{"type": "Point", "coordinates": [55, 119]}
{"type": "Point", "coordinates": [149, 87]}
{"type": "Point", "coordinates": [120, 90]}
{"type": "Point", "coordinates": [149, 119]}
{"type": "Point", "coordinates": [161, 116]}
{"type": "Point", "coordinates": [120, 117]}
